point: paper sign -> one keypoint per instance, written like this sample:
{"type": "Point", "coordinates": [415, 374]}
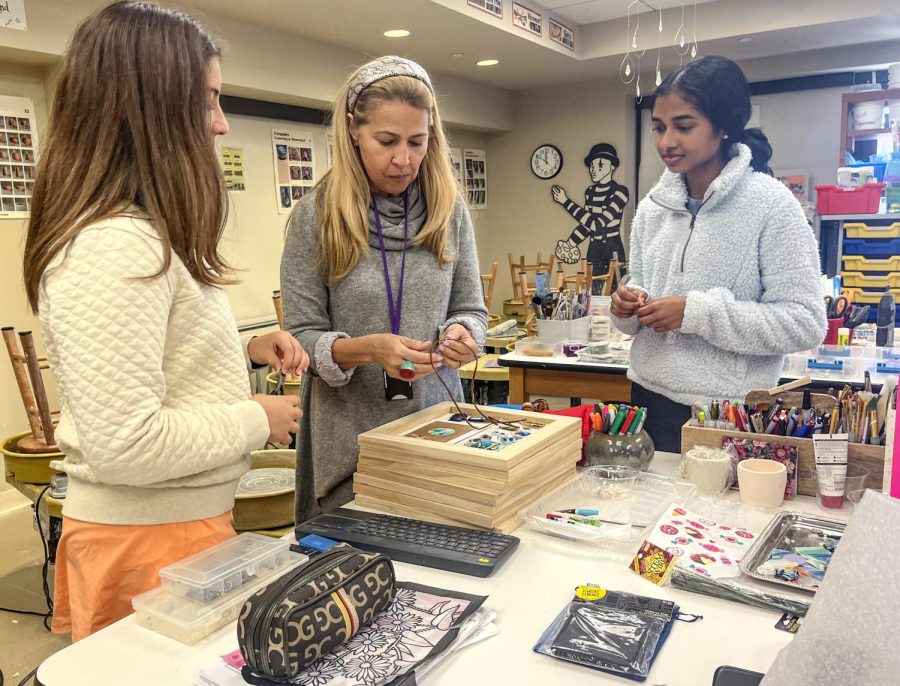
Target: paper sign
{"type": "Point", "coordinates": [12, 14]}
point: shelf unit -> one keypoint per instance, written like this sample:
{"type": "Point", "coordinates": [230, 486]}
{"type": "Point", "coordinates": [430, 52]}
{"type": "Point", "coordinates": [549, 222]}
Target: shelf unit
{"type": "Point", "coordinates": [850, 136]}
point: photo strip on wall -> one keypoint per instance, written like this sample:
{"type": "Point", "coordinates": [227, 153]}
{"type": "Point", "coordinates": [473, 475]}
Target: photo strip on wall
{"type": "Point", "coordinates": [18, 153]}
{"type": "Point", "coordinates": [476, 178]}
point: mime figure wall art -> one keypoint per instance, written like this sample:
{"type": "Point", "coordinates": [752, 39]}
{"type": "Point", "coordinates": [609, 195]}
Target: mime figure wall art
{"type": "Point", "coordinates": [600, 218]}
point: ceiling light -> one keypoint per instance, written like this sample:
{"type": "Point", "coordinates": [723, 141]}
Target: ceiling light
{"type": "Point", "coordinates": [456, 54]}
{"type": "Point", "coordinates": [487, 63]}
{"type": "Point", "coordinates": [396, 33]}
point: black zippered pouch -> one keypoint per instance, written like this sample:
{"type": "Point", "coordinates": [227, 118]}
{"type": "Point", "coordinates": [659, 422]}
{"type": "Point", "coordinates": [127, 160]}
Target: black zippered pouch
{"type": "Point", "coordinates": [308, 612]}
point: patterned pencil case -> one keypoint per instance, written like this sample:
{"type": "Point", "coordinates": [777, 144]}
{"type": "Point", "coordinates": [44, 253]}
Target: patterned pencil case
{"type": "Point", "coordinates": [308, 612]}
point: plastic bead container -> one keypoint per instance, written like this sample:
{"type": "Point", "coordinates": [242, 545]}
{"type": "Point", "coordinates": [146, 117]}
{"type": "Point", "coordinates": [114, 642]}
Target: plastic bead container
{"type": "Point", "coordinates": [188, 621]}
{"type": "Point", "coordinates": [225, 569]}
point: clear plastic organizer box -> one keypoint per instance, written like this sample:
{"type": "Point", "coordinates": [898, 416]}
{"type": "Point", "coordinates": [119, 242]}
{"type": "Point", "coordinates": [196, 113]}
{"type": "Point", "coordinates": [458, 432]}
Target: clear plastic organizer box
{"type": "Point", "coordinates": [627, 508]}
{"type": "Point", "coordinates": [224, 569]}
{"type": "Point", "coordinates": [189, 622]}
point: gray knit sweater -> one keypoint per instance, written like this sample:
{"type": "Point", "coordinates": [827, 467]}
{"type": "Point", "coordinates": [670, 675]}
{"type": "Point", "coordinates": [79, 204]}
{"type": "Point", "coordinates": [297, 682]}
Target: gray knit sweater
{"type": "Point", "coordinates": [339, 405]}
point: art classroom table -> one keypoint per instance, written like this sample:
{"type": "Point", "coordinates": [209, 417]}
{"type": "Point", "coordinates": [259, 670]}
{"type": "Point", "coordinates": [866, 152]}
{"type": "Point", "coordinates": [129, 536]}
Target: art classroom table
{"type": "Point", "coordinates": [527, 592]}
{"type": "Point", "coordinates": [568, 377]}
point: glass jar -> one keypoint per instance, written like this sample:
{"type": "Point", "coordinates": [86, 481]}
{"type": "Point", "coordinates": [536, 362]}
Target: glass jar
{"type": "Point", "coordinates": [630, 451]}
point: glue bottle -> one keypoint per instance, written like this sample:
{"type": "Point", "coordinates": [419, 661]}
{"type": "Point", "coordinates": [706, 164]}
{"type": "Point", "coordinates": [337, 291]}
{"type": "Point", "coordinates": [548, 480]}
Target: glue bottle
{"type": "Point", "coordinates": [884, 323]}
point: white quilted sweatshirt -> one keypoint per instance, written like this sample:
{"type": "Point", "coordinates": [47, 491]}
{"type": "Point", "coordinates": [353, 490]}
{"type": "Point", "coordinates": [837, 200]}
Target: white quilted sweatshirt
{"type": "Point", "coordinates": [156, 418]}
{"type": "Point", "coordinates": [749, 266]}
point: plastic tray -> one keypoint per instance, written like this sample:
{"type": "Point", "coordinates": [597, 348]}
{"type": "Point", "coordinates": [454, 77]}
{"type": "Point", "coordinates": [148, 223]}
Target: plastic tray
{"type": "Point", "coordinates": [532, 347]}
{"type": "Point", "coordinates": [626, 517]}
{"type": "Point", "coordinates": [862, 230]}
{"type": "Point", "coordinates": [835, 200]}
{"type": "Point", "coordinates": [871, 249]}
{"type": "Point", "coordinates": [861, 280]}
{"type": "Point", "coordinates": [186, 621]}
{"type": "Point", "coordinates": [225, 569]}
{"type": "Point", "coordinates": [858, 263]}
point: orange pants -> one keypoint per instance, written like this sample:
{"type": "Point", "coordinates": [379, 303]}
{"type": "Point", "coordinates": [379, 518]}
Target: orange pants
{"type": "Point", "coordinates": [101, 567]}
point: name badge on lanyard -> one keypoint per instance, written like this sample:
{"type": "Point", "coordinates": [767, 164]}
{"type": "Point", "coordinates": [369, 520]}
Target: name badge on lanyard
{"type": "Point", "coordinates": [394, 389]}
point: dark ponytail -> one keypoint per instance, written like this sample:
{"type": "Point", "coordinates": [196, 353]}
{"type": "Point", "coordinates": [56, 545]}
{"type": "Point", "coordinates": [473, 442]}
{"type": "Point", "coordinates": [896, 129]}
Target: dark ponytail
{"type": "Point", "coordinates": [760, 148]}
{"type": "Point", "coordinates": [717, 87]}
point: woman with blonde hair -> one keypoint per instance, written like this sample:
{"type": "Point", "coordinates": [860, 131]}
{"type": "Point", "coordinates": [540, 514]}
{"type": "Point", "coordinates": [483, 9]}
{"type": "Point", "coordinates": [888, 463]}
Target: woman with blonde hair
{"type": "Point", "coordinates": [379, 264]}
{"type": "Point", "coordinates": [122, 267]}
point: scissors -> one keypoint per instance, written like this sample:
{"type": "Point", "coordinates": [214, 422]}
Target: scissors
{"type": "Point", "coordinates": [836, 307]}
{"type": "Point", "coordinates": [855, 316]}
{"type": "Point", "coordinates": [279, 386]}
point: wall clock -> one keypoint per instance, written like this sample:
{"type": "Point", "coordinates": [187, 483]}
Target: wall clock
{"type": "Point", "coordinates": [546, 161]}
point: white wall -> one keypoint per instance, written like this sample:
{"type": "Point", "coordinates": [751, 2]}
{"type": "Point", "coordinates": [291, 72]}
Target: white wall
{"type": "Point", "coordinates": [521, 216]}
{"type": "Point", "coordinates": [254, 237]}
{"type": "Point", "coordinates": [25, 82]}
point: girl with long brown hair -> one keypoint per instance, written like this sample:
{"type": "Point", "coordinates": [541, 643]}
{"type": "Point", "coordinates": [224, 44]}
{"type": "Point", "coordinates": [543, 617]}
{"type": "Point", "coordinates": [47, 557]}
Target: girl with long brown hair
{"type": "Point", "coordinates": [122, 267]}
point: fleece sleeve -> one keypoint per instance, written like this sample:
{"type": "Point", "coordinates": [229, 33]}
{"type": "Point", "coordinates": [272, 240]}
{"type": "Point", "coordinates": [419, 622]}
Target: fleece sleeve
{"type": "Point", "coordinates": [108, 329]}
{"type": "Point", "coordinates": [631, 325]}
{"type": "Point", "coordinates": [466, 305]}
{"type": "Point", "coordinates": [305, 297]}
{"type": "Point", "coordinates": [790, 314]}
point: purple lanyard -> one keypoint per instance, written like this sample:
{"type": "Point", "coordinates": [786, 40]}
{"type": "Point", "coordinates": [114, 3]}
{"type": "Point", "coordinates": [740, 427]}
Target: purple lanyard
{"type": "Point", "coordinates": [393, 310]}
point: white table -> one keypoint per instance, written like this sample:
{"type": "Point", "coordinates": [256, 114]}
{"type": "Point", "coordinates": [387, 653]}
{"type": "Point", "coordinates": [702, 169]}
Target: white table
{"type": "Point", "coordinates": [527, 592]}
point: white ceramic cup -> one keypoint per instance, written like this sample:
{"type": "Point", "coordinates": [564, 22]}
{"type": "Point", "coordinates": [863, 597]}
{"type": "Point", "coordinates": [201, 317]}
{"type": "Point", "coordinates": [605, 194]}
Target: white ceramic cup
{"type": "Point", "coordinates": [762, 482]}
{"type": "Point", "coordinates": [709, 470]}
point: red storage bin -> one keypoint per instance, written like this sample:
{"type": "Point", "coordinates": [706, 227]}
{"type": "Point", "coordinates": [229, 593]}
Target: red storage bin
{"type": "Point", "coordinates": [836, 200]}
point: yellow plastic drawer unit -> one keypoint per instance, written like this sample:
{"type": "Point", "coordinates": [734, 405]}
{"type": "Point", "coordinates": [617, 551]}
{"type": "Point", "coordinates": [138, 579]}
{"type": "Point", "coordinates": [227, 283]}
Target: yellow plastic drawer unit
{"type": "Point", "coordinates": [860, 230]}
{"type": "Point", "coordinates": [860, 280]}
{"type": "Point", "coordinates": [861, 297]}
{"type": "Point", "coordinates": [857, 263]}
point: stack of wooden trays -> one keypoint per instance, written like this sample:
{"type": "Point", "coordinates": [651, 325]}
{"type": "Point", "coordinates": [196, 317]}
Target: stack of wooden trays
{"type": "Point", "coordinates": [433, 480]}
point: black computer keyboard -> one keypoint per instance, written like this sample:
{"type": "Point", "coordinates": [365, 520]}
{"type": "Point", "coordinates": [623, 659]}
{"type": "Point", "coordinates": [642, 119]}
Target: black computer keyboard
{"type": "Point", "coordinates": [454, 548]}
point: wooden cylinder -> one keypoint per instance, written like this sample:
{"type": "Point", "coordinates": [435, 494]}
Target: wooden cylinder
{"type": "Point", "coordinates": [279, 313]}
{"type": "Point", "coordinates": [18, 364]}
{"type": "Point", "coordinates": [37, 383]}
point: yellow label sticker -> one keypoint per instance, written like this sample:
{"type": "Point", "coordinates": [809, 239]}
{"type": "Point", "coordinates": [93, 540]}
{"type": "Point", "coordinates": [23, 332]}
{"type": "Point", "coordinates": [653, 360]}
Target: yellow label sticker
{"type": "Point", "coordinates": [590, 592]}
{"type": "Point", "coordinates": [483, 559]}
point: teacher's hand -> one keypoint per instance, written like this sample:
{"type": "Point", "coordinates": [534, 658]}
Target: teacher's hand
{"type": "Point", "coordinates": [663, 314]}
{"type": "Point", "coordinates": [457, 347]}
{"type": "Point", "coordinates": [390, 351]}
{"type": "Point", "coordinates": [280, 350]}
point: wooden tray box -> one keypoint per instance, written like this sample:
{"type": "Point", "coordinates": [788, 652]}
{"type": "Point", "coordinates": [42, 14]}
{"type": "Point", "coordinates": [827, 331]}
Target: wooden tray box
{"type": "Point", "coordinates": [870, 457]}
{"type": "Point", "coordinates": [465, 486]}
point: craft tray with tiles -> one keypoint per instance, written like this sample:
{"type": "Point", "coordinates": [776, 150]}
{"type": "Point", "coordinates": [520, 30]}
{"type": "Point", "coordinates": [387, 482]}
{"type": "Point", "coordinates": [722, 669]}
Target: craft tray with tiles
{"type": "Point", "coordinates": [451, 483]}
{"type": "Point", "coordinates": [626, 515]}
{"type": "Point", "coordinates": [784, 532]}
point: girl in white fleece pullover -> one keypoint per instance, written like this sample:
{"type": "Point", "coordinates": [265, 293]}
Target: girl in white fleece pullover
{"type": "Point", "coordinates": [724, 267]}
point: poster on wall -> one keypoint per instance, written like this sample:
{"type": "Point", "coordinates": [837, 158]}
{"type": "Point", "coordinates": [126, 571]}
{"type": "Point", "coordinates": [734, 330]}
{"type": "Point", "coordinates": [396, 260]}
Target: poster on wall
{"type": "Point", "coordinates": [527, 19]}
{"type": "Point", "coordinates": [476, 178]}
{"type": "Point", "coordinates": [18, 151]}
{"type": "Point", "coordinates": [12, 14]}
{"type": "Point", "coordinates": [562, 34]}
{"type": "Point", "coordinates": [233, 168]}
{"type": "Point", "coordinates": [456, 163]}
{"type": "Point", "coordinates": [797, 181]}
{"type": "Point", "coordinates": [294, 167]}
{"type": "Point", "coordinates": [493, 7]}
